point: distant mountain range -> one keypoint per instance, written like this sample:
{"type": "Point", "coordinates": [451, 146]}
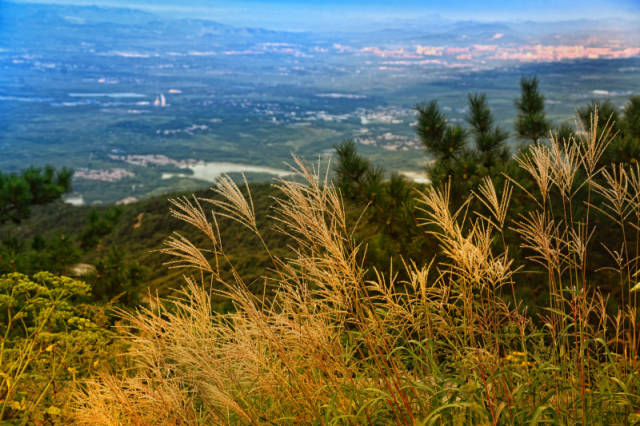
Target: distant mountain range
{"type": "Point", "coordinates": [24, 23]}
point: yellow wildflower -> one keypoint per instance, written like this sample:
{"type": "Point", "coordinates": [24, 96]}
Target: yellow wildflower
{"type": "Point", "coordinates": [18, 405]}
{"type": "Point", "coordinates": [53, 411]}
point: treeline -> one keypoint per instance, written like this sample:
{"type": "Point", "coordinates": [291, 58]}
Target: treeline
{"type": "Point", "coordinates": [115, 248]}
{"type": "Point", "coordinates": [463, 157]}
{"type": "Point", "coordinates": [33, 186]}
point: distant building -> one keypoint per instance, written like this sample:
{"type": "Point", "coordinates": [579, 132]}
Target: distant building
{"type": "Point", "coordinates": [160, 101]}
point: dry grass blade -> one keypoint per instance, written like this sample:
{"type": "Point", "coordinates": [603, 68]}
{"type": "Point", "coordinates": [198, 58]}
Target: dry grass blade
{"type": "Point", "coordinates": [311, 212]}
{"type": "Point", "coordinates": [564, 163]}
{"type": "Point", "coordinates": [594, 142]}
{"type": "Point", "coordinates": [540, 234]}
{"type": "Point", "coordinates": [499, 207]}
{"type": "Point", "coordinates": [615, 191]}
{"type": "Point", "coordinates": [436, 204]}
{"type": "Point", "coordinates": [192, 213]}
{"type": "Point", "coordinates": [139, 401]}
{"type": "Point", "coordinates": [537, 162]}
{"type": "Point", "coordinates": [633, 193]}
{"type": "Point", "coordinates": [471, 254]}
{"type": "Point", "coordinates": [234, 205]}
{"type": "Point", "coordinates": [186, 253]}
{"type": "Point", "coordinates": [578, 243]}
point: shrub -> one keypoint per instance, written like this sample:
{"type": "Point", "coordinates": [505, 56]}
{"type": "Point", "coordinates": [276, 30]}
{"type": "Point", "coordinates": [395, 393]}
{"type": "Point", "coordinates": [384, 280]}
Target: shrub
{"type": "Point", "coordinates": [48, 340]}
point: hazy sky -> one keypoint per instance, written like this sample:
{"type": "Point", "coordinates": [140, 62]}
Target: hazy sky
{"type": "Point", "coordinates": [357, 14]}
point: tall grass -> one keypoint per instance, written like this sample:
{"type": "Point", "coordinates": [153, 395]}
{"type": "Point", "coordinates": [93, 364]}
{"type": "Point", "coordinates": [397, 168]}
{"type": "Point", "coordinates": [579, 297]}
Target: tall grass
{"type": "Point", "coordinates": [323, 344]}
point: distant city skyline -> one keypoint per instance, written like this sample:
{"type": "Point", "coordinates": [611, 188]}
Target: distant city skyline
{"type": "Point", "coordinates": [349, 15]}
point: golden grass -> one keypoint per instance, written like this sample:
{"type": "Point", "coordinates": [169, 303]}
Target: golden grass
{"type": "Point", "coordinates": [440, 347]}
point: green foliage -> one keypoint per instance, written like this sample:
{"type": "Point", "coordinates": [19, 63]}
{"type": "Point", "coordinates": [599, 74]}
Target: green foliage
{"type": "Point", "coordinates": [50, 337]}
{"type": "Point", "coordinates": [490, 140]}
{"type": "Point", "coordinates": [54, 253]}
{"type": "Point", "coordinates": [464, 170]}
{"type": "Point", "coordinates": [117, 277]}
{"type": "Point", "coordinates": [453, 160]}
{"type": "Point", "coordinates": [52, 239]}
{"type": "Point", "coordinates": [625, 147]}
{"type": "Point", "coordinates": [440, 140]}
{"type": "Point", "coordinates": [606, 113]}
{"type": "Point", "coordinates": [564, 132]}
{"type": "Point", "coordinates": [631, 123]}
{"type": "Point", "coordinates": [99, 226]}
{"type": "Point", "coordinates": [389, 201]}
{"type": "Point", "coordinates": [352, 170]}
{"type": "Point", "coordinates": [531, 123]}
{"type": "Point", "coordinates": [33, 186]}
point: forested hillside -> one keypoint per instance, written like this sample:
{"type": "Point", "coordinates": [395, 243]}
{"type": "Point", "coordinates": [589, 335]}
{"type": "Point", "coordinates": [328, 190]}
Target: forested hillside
{"type": "Point", "coordinates": [116, 248]}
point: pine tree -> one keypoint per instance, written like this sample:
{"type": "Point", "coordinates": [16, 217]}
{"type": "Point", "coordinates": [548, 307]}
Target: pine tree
{"type": "Point", "coordinates": [531, 122]}
{"type": "Point", "coordinates": [442, 141]}
{"type": "Point", "coordinates": [351, 170]}
{"type": "Point", "coordinates": [489, 139]}
{"type": "Point", "coordinates": [564, 132]}
{"type": "Point", "coordinates": [33, 186]}
{"type": "Point", "coordinates": [607, 113]}
{"type": "Point", "coordinates": [631, 121]}
{"type": "Point", "coordinates": [625, 147]}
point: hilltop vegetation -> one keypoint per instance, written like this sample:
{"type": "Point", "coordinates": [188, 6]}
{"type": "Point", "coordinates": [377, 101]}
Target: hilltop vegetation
{"type": "Point", "coordinates": [112, 239]}
{"type": "Point", "coordinates": [439, 346]}
{"type": "Point", "coordinates": [33, 186]}
{"type": "Point", "coordinates": [58, 331]}
{"type": "Point", "coordinates": [498, 293]}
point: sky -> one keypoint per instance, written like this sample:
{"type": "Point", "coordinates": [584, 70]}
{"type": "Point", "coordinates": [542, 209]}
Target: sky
{"type": "Point", "coordinates": [314, 15]}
